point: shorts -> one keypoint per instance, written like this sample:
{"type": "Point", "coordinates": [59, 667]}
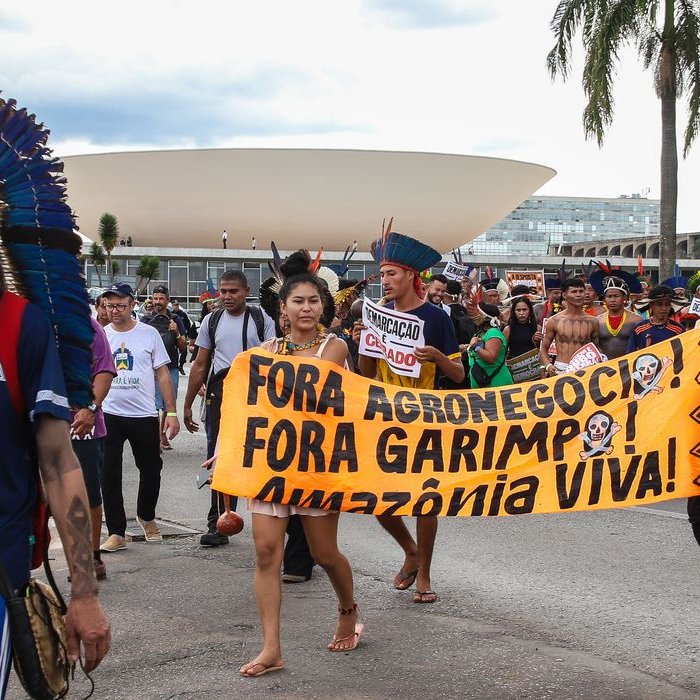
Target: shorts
{"type": "Point", "coordinates": [90, 454]}
{"type": "Point", "coordinates": [277, 510]}
{"type": "Point", "coordinates": [175, 376]}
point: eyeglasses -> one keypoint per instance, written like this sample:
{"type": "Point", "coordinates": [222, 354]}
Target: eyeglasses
{"type": "Point", "coordinates": [116, 307]}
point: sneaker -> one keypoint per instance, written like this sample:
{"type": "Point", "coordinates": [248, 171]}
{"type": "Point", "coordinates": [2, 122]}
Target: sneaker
{"type": "Point", "coordinates": [150, 530]}
{"type": "Point", "coordinates": [213, 539]}
{"type": "Point", "coordinates": [100, 570]}
{"type": "Point", "coordinates": [294, 578]}
{"type": "Point", "coordinates": [113, 544]}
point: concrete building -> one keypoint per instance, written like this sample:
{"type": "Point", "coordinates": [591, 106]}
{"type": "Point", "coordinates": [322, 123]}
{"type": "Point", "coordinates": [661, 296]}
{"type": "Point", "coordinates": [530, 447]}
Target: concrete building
{"type": "Point", "coordinates": [295, 197]}
{"type": "Point", "coordinates": [543, 224]}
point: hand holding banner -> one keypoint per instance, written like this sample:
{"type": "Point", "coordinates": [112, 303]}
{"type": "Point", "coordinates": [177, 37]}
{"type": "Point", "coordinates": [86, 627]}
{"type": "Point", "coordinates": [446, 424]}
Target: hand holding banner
{"type": "Point", "coordinates": [392, 336]}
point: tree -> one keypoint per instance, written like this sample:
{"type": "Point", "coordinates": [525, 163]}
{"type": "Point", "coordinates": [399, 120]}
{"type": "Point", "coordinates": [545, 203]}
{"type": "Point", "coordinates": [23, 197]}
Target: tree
{"type": "Point", "coordinates": [666, 34]}
{"type": "Point", "coordinates": [148, 268]}
{"type": "Point", "coordinates": [109, 233]}
{"type": "Point", "coordinates": [115, 269]}
{"type": "Point", "coordinates": [97, 258]}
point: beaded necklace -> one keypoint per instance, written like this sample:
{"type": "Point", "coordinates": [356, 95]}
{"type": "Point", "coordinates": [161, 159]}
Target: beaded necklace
{"type": "Point", "coordinates": [288, 346]}
{"type": "Point", "coordinates": [611, 330]}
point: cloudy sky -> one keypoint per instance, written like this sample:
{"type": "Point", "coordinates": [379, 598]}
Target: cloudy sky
{"type": "Point", "coordinates": [453, 76]}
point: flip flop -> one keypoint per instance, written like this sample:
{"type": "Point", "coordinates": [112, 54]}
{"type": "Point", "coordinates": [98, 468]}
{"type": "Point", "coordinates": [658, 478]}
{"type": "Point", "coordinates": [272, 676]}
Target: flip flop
{"type": "Point", "coordinates": [359, 629]}
{"type": "Point", "coordinates": [424, 597]}
{"type": "Point", "coordinates": [264, 668]}
{"type": "Point", "coordinates": [405, 578]}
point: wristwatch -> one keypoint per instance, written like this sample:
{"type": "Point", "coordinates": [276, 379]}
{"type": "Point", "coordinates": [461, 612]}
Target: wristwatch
{"type": "Point", "coordinates": [92, 407]}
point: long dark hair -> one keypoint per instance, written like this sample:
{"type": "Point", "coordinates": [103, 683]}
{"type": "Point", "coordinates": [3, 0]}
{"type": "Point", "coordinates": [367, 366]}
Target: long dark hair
{"type": "Point", "coordinates": [513, 320]}
{"type": "Point", "coordinates": [326, 297]}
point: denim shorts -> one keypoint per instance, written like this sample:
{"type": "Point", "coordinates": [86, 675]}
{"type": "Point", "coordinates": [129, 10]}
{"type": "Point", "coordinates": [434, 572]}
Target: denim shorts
{"type": "Point", "coordinates": [175, 376]}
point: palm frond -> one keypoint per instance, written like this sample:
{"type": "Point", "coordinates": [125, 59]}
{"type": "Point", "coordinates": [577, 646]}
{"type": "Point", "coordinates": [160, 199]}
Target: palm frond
{"type": "Point", "coordinates": [569, 15]}
{"type": "Point", "coordinates": [614, 27]}
{"type": "Point", "coordinates": [687, 46]}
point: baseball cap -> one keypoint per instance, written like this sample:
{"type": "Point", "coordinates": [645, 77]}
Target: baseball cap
{"type": "Point", "coordinates": [121, 289]}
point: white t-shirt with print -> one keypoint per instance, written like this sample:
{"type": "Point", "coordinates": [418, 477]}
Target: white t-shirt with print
{"type": "Point", "coordinates": [137, 354]}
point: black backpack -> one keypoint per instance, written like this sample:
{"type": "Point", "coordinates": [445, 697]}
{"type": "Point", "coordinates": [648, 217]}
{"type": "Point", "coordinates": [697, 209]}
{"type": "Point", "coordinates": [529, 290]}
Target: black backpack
{"type": "Point", "coordinates": [250, 310]}
{"type": "Point", "coordinates": [161, 322]}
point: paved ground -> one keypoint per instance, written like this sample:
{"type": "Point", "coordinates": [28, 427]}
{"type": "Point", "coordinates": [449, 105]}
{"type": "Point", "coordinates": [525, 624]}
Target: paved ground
{"type": "Point", "coordinates": [594, 605]}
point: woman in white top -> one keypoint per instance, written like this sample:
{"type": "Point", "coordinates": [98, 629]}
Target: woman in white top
{"type": "Point", "coordinates": [301, 303]}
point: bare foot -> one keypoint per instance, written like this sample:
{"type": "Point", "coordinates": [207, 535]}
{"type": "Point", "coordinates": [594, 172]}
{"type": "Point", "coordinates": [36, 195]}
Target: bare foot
{"type": "Point", "coordinates": [260, 665]}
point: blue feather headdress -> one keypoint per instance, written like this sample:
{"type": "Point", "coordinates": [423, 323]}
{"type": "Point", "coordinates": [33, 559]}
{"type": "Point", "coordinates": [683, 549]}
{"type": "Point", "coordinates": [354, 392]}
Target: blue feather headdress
{"type": "Point", "coordinates": [341, 269]}
{"type": "Point", "coordinates": [398, 249]}
{"type": "Point", "coordinates": [39, 246]}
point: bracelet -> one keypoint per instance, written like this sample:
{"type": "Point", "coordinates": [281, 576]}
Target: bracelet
{"type": "Point", "coordinates": [548, 367]}
{"type": "Point", "coordinates": [171, 414]}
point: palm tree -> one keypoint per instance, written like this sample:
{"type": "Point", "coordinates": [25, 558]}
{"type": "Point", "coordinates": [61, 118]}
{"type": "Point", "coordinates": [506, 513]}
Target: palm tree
{"type": "Point", "coordinates": [109, 233]}
{"type": "Point", "coordinates": [666, 34]}
{"type": "Point", "coordinates": [148, 268]}
{"type": "Point", "coordinates": [115, 269]}
{"type": "Point", "coordinates": [97, 258]}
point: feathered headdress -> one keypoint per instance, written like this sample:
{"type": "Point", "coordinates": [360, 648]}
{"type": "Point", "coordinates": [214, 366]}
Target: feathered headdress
{"type": "Point", "coordinates": [677, 282]}
{"type": "Point", "coordinates": [693, 283]}
{"type": "Point", "coordinates": [211, 294]}
{"type": "Point", "coordinates": [473, 305]}
{"type": "Point", "coordinates": [605, 278]}
{"type": "Point", "coordinates": [39, 245]}
{"type": "Point", "coordinates": [297, 263]}
{"type": "Point", "coordinates": [341, 268]}
{"type": "Point", "coordinates": [350, 290]}
{"type": "Point", "coordinates": [398, 249]}
{"type": "Point", "coordinates": [491, 282]}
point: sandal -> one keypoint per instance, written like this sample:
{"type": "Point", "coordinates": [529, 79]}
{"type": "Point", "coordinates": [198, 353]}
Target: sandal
{"type": "Point", "coordinates": [264, 668]}
{"type": "Point", "coordinates": [405, 579]}
{"type": "Point", "coordinates": [359, 629]}
{"type": "Point", "coordinates": [424, 597]}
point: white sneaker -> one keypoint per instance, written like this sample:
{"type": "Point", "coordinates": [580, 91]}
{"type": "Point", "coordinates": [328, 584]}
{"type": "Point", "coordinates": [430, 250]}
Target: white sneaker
{"type": "Point", "coordinates": [150, 530]}
{"type": "Point", "coordinates": [113, 544]}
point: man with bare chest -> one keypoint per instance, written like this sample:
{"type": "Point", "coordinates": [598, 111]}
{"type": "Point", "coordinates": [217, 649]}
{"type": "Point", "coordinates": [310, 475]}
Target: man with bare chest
{"type": "Point", "coordinates": [617, 323]}
{"type": "Point", "coordinates": [571, 329]}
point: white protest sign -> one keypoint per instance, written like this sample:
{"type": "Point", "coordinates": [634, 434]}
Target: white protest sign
{"type": "Point", "coordinates": [392, 336]}
{"type": "Point", "coordinates": [455, 271]}
{"type": "Point", "coordinates": [585, 356]}
{"type": "Point", "coordinates": [694, 306]}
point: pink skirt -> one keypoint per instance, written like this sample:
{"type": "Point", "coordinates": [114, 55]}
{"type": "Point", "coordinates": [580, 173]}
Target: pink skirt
{"type": "Point", "coordinates": [277, 510]}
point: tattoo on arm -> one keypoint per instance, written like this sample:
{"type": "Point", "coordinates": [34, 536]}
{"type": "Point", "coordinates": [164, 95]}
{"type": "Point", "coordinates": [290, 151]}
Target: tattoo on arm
{"type": "Point", "coordinates": [79, 548]}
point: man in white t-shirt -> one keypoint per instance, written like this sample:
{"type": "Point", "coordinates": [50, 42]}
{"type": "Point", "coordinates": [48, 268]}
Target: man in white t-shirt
{"type": "Point", "coordinates": [130, 413]}
{"type": "Point", "coordinates": [237, 327]}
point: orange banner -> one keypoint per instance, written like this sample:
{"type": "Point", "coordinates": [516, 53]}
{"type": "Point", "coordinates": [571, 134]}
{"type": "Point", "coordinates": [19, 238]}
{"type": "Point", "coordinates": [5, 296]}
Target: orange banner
{"type": "Point", "coordinates": [308, 433]}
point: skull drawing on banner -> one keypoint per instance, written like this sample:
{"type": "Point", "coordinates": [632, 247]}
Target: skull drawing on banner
{"type": "Point", "coordinates": [648, 370]}
{"type": "Point", "coordinates": [597, 437]}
